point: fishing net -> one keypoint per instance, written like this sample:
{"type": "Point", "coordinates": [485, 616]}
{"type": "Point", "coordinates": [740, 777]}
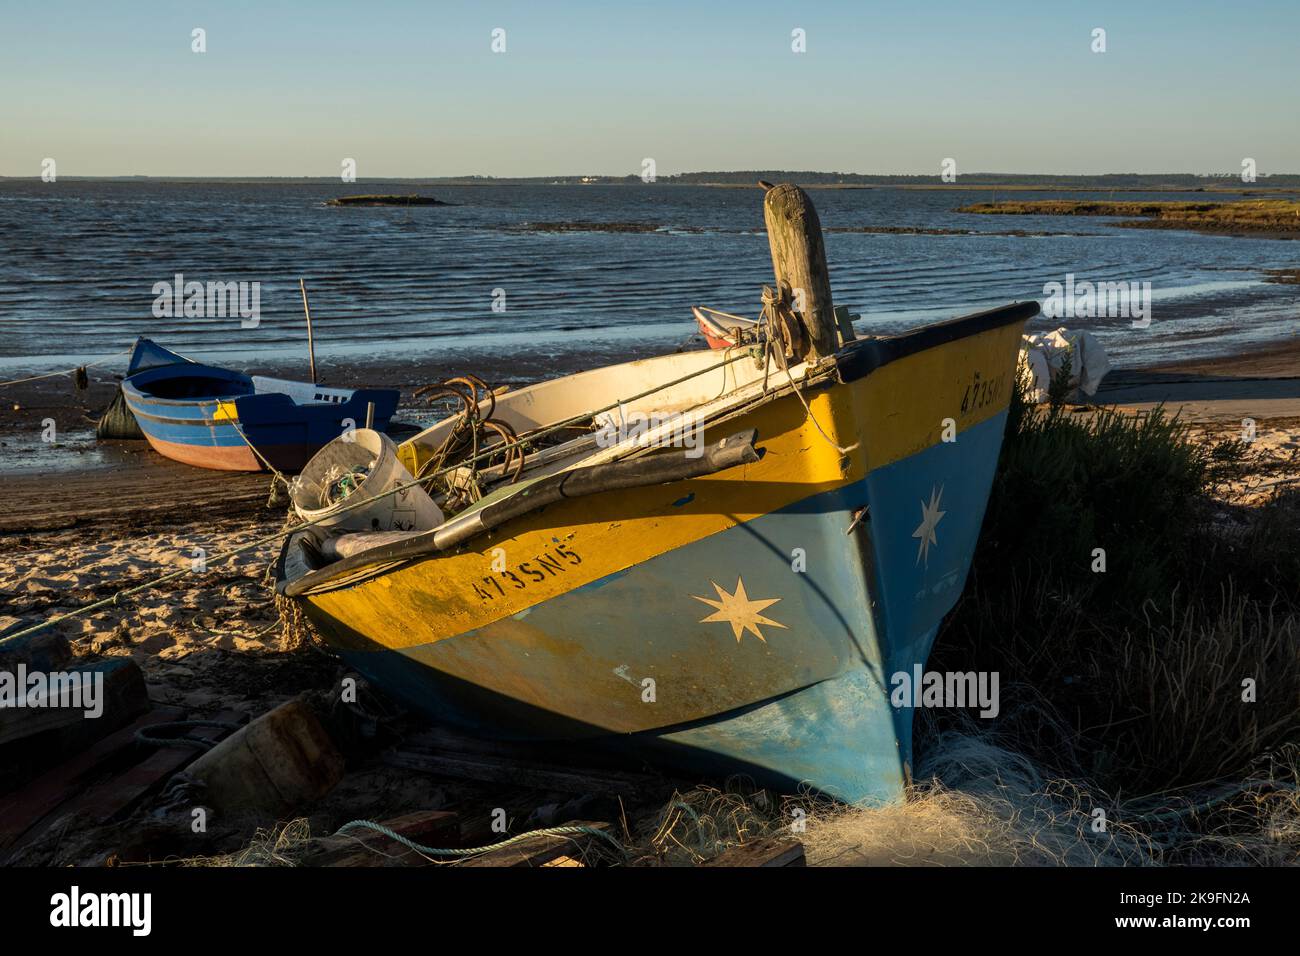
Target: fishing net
{"type": "Point", "coordinates": [117, 420]}
{"type": "Point", "coordinates": [341, 482]}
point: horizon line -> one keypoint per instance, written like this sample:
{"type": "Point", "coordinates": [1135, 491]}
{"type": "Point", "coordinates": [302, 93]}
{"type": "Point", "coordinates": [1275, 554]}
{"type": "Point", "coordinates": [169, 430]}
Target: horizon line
{"type": "Point", "coordinates": [634, 177]}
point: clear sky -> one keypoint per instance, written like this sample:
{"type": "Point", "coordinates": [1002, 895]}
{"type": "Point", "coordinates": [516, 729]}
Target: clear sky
{"type": "Point", "coordinates": [112, 87]}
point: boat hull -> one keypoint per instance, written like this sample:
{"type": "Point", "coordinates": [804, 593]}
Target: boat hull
{"type": "Point", "coordinates": [748, 621]}
{"type": "Point", "coordinates": [228, 427]}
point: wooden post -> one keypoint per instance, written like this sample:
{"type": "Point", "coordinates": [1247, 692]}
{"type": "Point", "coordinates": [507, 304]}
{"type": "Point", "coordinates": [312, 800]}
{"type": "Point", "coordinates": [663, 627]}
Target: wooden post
{"type": "Point", "coordinates": [311, 346]}
{"type": "Point", "coordinates": [794, 234]}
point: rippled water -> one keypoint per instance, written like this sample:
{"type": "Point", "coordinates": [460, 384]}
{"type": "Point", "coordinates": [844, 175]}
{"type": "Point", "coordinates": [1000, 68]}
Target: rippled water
{"type": "Point", "coordinates": [81, 259]}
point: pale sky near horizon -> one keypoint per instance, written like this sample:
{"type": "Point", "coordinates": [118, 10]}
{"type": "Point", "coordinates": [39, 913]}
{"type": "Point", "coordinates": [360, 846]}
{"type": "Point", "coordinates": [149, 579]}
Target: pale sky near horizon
{"type": "Point", "coordinates": [414, 89]}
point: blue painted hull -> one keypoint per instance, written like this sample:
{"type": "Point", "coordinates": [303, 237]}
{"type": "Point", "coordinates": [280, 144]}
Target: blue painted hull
{"type": "Point", "coordinates": [184, 410]}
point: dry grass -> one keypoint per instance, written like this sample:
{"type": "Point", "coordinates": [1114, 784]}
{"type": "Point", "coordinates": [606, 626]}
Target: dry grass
{"type": "Point", "coordinates": [281, 845]}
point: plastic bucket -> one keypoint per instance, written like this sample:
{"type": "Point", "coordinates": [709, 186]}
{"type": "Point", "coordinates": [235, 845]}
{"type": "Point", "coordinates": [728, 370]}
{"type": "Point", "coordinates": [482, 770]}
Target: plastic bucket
{"type": "Point", "coordinates": [365, 461]}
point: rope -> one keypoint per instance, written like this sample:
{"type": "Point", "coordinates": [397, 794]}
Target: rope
{"type": "Point", "coordinates": [66, 371]}
{"type": "Point", "coordinates": [568, 831]}
{"type": "Point", "coordinates": [775, 305]}
{"type": "Point", "coordinates": [277, 476]}
{"type": "Point", "coordinates": [219, 557]}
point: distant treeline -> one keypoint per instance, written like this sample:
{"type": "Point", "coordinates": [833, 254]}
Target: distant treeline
{"type": "Point", "coordinates": [1107, 181]}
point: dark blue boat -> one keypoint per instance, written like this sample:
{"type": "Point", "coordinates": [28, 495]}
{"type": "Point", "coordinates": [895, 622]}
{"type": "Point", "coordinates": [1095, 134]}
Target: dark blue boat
{"type": "Point", "coordinates": [217, 418]}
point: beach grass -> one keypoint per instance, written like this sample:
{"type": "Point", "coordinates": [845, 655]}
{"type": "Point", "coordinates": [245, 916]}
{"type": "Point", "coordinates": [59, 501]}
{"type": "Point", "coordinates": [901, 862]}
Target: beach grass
{"type": "Point", "coordinates": [1148, 644]}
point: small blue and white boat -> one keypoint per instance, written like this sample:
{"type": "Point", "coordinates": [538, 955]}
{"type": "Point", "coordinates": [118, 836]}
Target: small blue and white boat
{"type": "Point", "coordinates": [214, 417]}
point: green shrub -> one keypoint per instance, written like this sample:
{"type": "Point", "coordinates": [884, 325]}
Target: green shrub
{"type": "Point", "coordinates": [1131, 676]}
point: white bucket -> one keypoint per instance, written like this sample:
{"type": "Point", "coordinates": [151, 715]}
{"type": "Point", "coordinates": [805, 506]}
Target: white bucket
{"type": "Point", "coordinates": [410, 509]}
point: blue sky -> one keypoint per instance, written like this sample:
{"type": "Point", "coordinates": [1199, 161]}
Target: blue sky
{"type": "Point", "coordinates": [111, 87]}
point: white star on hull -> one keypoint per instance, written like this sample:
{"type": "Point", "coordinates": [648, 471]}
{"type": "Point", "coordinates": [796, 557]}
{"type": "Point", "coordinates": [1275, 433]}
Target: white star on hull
{"type": "Point", "coordinates": [930, 518]}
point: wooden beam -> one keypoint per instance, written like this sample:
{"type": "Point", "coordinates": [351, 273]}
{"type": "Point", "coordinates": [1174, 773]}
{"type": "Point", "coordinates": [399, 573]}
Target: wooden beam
{"type": "Point", "coordinates": [794, 234]}
{"type": "Point", "coordinates": [122, 697]}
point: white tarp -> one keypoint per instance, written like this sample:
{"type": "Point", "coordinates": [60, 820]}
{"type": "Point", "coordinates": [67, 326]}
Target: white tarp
{"type": "Point", "coordinates": [1043, 353]}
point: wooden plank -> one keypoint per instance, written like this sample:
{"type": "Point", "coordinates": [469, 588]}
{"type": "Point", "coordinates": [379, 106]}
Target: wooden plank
{"type": "Point", "coordinates": [543, 850]}
{"type": "Point", "coordinates": [768, 851]}
{"type": "Point", "coordinates": [20, 810]}
{"type": "Point", "coordinates": [119, 794]}
{"type": "Point", "coordinates": [502, 769]}
{"type": "Point", "coordinates": [433, 828]}
{"type": "Point", "coordinates": [437, 740]}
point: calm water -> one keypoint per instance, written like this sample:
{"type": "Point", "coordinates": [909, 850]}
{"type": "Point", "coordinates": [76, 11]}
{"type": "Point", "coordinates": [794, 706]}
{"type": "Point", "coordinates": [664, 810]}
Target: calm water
{"type": "Point", "coordinates": [80, 261]}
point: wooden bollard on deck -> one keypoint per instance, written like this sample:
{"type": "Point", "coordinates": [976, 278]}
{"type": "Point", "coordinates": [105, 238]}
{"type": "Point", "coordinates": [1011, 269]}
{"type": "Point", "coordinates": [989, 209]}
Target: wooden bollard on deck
{"type": "Point", "coordinates": [799, 260]}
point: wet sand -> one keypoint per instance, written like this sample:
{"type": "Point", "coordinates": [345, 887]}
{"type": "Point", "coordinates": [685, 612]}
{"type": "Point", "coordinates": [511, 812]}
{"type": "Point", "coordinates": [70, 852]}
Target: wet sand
{"type": "Point", "coordinates": [1262, 385]}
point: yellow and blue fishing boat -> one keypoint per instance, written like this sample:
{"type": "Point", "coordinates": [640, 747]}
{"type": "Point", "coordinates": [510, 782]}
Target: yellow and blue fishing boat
{"type": "Point", "coordinates": [729, 594]}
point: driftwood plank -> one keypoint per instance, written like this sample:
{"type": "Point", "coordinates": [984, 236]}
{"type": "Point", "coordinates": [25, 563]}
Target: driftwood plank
{"type": "Point", "coordinates": [542, 850]}
{"type": "Point", "coordinates": [768, 851]}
